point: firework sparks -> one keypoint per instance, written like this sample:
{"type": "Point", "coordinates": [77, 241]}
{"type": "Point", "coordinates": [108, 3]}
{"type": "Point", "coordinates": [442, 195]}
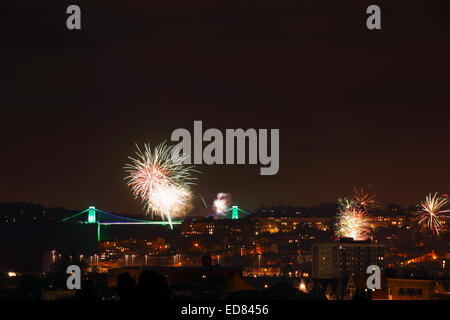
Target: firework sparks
{"type": "Point", "coordinates": [223, 202]}
{"type": "Point", "coordinates": [161, 180]}
{"type": "Point", "coordinates": [345, 203]}
{"type": "Point", "coordinates": [364, 199]}
{"type": "Point", "coordinates": [352, 221]}
{"type": "Point", "coordinates": [431, 212]}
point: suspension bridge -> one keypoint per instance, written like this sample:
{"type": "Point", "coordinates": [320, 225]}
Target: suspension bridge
{"type": "Point", "coordinates": [93, 215]}
{"type": "Point", "coordinates": [234, 211]}
{"type": "Point", "coordinates": [102, 218]}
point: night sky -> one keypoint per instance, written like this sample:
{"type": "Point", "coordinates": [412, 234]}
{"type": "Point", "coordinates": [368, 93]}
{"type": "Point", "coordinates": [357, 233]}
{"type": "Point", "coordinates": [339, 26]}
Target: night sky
{"type": "Point", "coordinates": [353, 106]}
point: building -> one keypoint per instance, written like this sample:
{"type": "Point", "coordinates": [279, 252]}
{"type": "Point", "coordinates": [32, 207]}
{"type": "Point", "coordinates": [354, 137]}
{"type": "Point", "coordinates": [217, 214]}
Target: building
{"type": "Point", "coordinates": [344, 259]}
{"type": "Point", "coordinates": [198, 227]}
{"type": "Point", "coordinates": [289, 224]}
{"type": "Point", "coordinates": [412, 289]}
{"type": "Point", "coordinates": [390, 221]}
{"type": "Point", "coordinates": [201, 227]}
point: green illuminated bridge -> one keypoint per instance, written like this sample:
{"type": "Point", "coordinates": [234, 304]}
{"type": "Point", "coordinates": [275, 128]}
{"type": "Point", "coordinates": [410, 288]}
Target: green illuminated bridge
{"type": "Point", "coordinates": [93, 215]}
{"type": "Point", "coordinates": [234, 210]}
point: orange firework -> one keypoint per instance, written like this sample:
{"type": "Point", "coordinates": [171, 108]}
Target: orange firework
{"type": "Point", "coordinates": [364, 199]}
{"type": "Point", "coordinates": [352, 221]}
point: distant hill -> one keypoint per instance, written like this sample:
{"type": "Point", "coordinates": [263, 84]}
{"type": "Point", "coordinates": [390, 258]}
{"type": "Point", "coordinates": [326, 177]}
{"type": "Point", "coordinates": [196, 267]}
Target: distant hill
{"type": "Point", "coordinates": [25, 212]}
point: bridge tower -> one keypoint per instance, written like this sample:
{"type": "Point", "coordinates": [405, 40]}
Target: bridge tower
{"type": "Point", "coordinates": [234, 212]}
{"type": "Point", "coordinates": [92, 215]}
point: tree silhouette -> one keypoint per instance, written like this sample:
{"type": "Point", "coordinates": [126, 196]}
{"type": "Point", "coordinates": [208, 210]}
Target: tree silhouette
{"type": "Point", "coordinates": [127, 286]}
{"type": "Point", "coordinates": [152, 285]}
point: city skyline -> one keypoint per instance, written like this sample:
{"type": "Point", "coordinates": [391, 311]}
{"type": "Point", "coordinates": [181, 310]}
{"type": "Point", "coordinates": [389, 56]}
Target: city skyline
{"type": "Point", "coordinates": [224, 158]}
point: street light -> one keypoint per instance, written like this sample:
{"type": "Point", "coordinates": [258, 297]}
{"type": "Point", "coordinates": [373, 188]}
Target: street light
{"type": "Point", "coordinates": [259, 263]}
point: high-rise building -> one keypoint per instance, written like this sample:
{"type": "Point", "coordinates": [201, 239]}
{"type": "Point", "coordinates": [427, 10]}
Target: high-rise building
{"type": "Point", "coordinates": [345, 258]}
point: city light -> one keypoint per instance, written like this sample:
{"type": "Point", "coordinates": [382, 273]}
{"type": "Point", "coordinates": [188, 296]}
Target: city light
{"type": "Point", "coordinates": [285, 256]}
{"type": "Point", "coordinates": [302, 286]}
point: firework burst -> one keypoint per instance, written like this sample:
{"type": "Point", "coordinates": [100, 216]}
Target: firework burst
{"type": "Point", "coordinates": [222, 203]}
{"type": "Point", "coordinates": [364, 199]}
{"type": "Point", "coordinates": [432, 210]}
{"type": "Point", "coordinates": [161, 180]}
{"type": "Point", "coordinates": [352, 221]}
